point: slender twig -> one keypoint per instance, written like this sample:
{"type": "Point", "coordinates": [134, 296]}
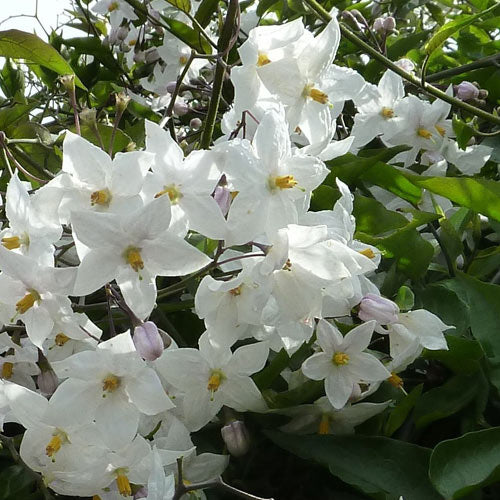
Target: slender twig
{"type": "Point", "coordinates": [484, 62]}
{"type": "Point", "coordinates": [109, 300]}
{"type": "Point", "coordinates": [429, 89]}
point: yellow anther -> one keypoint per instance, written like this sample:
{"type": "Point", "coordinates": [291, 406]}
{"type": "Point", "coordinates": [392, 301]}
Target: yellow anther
{"type": "Point", "coordinates": [234, 194]}
{"type": "Point", "coordinates": [287, 266]}
{"type": "Point", "coordinates": [183, 60]}
{"type": "Point", "coordinates": [215, 380]}
{"type": "Point", "coordinates": [112, 6]}
{"type": "Point", "coordinates": [285, 182]}
{"type": "Point", "coordinates": [96, 497]}
{"type": "Point", "coordinates": [340, 358]}
{"type": "Point", "coordinates": [173, 193]}
{"type": "Point", "coordinates": [110, 383]}
{"type": "Point", "coordinates": [423, 132]}
{"type": "Point", "coordinates": [133, 257]}
{"type": "Point", "coordinates": [61, 339]}
{"type": "Point", "coordinates": [235, 291]}
{"type": "Point", "coordinates": [387, 112]}
{"type": "Point", "coordinates": [27, 302]}
{"type": "Point", "coordinates": [54, 445]}
{"type": "Point", "coordinates": [262, 60]}
{"type": "Point", "coordinates": [7, 369]}
{"type": "Point", "coordinates": [368, 252]}
{"type": "Point", "coordinates": [101, 197]}
{"type": "Point", "coordinates": [441, 130]}
{"type": "Point", "coordinates": [395, 380]}
{"type": "Point", "coordinates": [324, 425]}
{"type": "Point", "coordinates": [315, 94]}
{"type": "Point", "coordinates": [123, 483]}
{"type": "Point", "coordinates": [11, 242]}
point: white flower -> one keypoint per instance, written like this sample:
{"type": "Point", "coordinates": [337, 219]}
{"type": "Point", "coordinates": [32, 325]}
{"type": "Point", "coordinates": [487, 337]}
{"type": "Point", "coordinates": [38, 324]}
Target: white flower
{"type": "Point", "coordinates": [343, 364]}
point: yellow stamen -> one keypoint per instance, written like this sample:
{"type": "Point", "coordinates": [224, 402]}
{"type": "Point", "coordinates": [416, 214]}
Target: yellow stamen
{"type": "Point", "coordinates": [7, 369]}
{"type": "Point", "coordinates": [101, 197]}
{"type": "Point", "coordinates": [173, 193]}
{"type": "Point", "coordinates": [11, 242]}
{"type": "Point", "coordinates": [215, 380]}
{"type": "Point", "coordinates": [96, 497]}
{"type": "Point", "coordinates": [368, 252]}
{"type": "Point", "coordinates": [54, 445]}
{"type": "Point", "coordinates": [110, 383]}
{"type": "Point", "coordinates": [27, 302]}
{"type": "Point", "coordinates": [340, 358]}
{"type": "Point", "coordinates": [235, 291]}
{"type": "Point", "coordinates": [61, 339]}
{"type": "Point", "coordinates": [315, 94]}
{"type": "Point", "coordinates": [285, 182]}
{"type": "Point", "coordinates": [441, 130]}
{"type": "Point", "coordinates": [112, 6]}
{"type": "Point", "coordinates": [183, 60]}
{"type": "Point", "coordinates": [324, 425]}
{"type": "Point", "coordinates": [133, 257]}
{"type": "Point", "coordinates": [287, 266]}
{"type": "Point", "coordinates": [234, 194]}
{"type": "Point", "coordinates": [262, 60]}
{"type": "Point", "coordinates": [422, 132]}
{"type": "Point", "coordinates": [132, 43]}
{"type": "Point", "coordinates": [395, 380]}
{"type": "Point", "coordinates": [387, 112]}
{"type": "Point", "coordinates": [123, 484]}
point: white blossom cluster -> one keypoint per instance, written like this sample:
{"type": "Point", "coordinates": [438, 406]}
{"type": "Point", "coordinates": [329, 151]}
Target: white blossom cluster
{"type": "Point", "coordinates": [110, 418]}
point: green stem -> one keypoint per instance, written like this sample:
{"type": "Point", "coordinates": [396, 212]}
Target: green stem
{"type": "Point", "coordinates": [484, 62]}
{"type": "Point", "coordinates": [349, 35]}
{"type": "Point", "coordinates": [220, 70]}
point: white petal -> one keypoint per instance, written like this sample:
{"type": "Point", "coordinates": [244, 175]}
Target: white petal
{"type": "Point", "coordinates": [249, 359]}
{"type": "Point", "coordinates": [146, 392]}
{"type": "Point", "coordinates": [318, 366]}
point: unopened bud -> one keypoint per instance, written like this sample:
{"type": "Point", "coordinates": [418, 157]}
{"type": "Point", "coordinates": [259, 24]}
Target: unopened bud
{"type": "Point", "coordinates": [47, 381]}
{"type": "Point", "coordinates": [382, 310]}
{"type": "Point", "coordinates": [180, 108]}
{"type": "Point", "coordinates": [378, 24]}
{"type": "Point", "coordinates": [466, 91]}
{"type": "Point", "coordinates": [223, 197]}
{"type": "Point", "coordinates": [148, 341]}
{"type": "Point", "coordinates": [122, 101]}
{"type": "Point", "coordinates": [171, 87]}
{"type": "Point", "coordinates": [483, 94]}
{"type": "Point", "coordinates": [68, 82]}
{"type": "Point", "coordinates": [236, 437]}
{"type": "Point", "coordinates": [406, 65]}
{"type": "Point", "coordinates": [349, 18]}
{"type": "Point", "coordinates": [389, 23]}
{"type": "Point", "coordinates": [88, 116]}
{"type": "Point", "coordinates": [152, 56]}
{"type": "Point", "coordinates": [139, 56]}
{"type": "Point", "coordinates": [121, 33]}
{"type": "Point", "coordinates": [195, 123]}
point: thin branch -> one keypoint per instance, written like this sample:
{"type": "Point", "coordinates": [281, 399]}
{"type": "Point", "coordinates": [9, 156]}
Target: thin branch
{"type": "Point", "coordinates": [484, 62]}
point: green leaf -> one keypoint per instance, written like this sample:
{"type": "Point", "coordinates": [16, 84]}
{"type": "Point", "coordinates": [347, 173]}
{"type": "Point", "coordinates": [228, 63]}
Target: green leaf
{"type": "Point", "coordinates": [443, 33]}
{"type": "Point", "coordinates": [450, 239]}
{"type": "Point", "coordinates": [400, 413]}
{"type": "Point", "coordinates": [463, 131]}
{"type": "Point", "coordinates": [371, 464]}
{"type": "Point", "coordinates": [10, 115]}
{"type": "Point", "coordinates": [264, 6]}
{"type": "Point", "coordinates": [121, 141]}
{"type": "Point", "coordinates": [481, 195]}
{"type": "Point", "coordinates": [463, 465]}
{"type": "Point", "coordinates": [21, 45]}
{"type": "Point", "coordinates": [445, 400]}
{"type": "Point", "coordinates": [93, 46]}
{"type": "Point", "coordinates": [405, 298]}
{"type": "Point", "coordinates": [184, 5]}
{"type": "Point", "coordinates": [205, 12]}
{"type": "Point", "coordinates": [188, 35]}
{"type": "Point", "coordinates": [11, 79]}
{"type": "Point", "coordinates": [16, 482]}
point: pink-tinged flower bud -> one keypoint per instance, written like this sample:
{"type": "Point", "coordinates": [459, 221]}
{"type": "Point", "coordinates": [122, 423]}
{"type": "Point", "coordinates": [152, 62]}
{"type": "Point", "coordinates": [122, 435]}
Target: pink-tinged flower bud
{"type": "Point", "coordinates": [47, 382]}
{"type": "Point", "coordinates": [148, 341]}
{"type": "Point", "coordinates": [180, 108]}
{"type": "Point", "coordinates": [195, 123]}
{"type": "Point", "coordinates": [121, 33]}
{"type": "Point", "coordinates": [378, 24]}
{"type": "Point", "coordinates": [382, 310]}
{"type": "Point", "coordinates": [171, 87]}
{"type": "Point", "coordinates": [223, 197]}
{"type": "Point", "coordinates": [466, 91]}
{"type": "Point", "coordinates": [141, 493]}
{"type": "Point", "coordinates": [236, 437]}
{"type": "Point", "coordinates": [406, 64]}
{"type": "Point", "coordinates": [389, 23]}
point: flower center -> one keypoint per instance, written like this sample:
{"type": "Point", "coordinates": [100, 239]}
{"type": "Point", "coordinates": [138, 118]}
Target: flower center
{"type": "Point", "coordinates": [262, 60]}
{"type": "Point", "coordinates": [368, 252]}
{"type": "Point", "coordinates": [61, 339]}
{"type": "Point", "coordinates": [7, 369]}
{"type": "Point", "coordinates": [133, 257]}
{"type": "Point", "coordinates": [284, 182]}
{"type": "Point", "coordinates": [441, 130]}
{"type": "Point", "coordinates": [387, 112]}
{"type": "Point", "coordinates": [183, 60]}
{"type": "Point", "coordinates": [27, 302]}
{"type": "Point", "coordinates": [101, 197]}
{"type": "Point", "coordinates": [340, 359]}
{"type": "Point", "coordinates": [110, 383]}
{"type": "Point", "coordinates": [287, 266]}
{"type": "Point", "coordinates": [58, 439]}
{"type": "Point", "coordinates": [235, 291]}
{"type": "Point", "coordinates": [395, 380]}
{"type": "Point", "coordinates": [173, 193]}
{"type": "Point", "coordinates": [215, 380]}
{"type": "Point", "coordinates": [422, 132]}
{"type": "Point", "coordinates": [123, 483]}
{"type": "Point", "coordinates": [315, 94]}
{"type": "Point", "coordinates": [324, 425]}
{"type": "Point", "coordinates": [11, 242]}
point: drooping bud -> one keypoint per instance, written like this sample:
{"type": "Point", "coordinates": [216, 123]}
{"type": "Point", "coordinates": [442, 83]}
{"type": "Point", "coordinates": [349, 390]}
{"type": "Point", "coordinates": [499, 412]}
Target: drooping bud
{"type": "Point", "coordinates": [151, 56]}
{"type": "Point", "coordinates": [68, 82]}
{"type": "Point", "coordinates": [236, 438]}
{"type": "Point", "coordinates": [148, 341]}
{"type": "Point", "coordinates": [195, 123]}
{"type": "Point", "coordinates": [406, 65]}
{"type": "Point", "coordinates": [180, 107]}
{"type": "Point", "coordinates": [378, 24]}
{"type": "Point", "coordinates": [139, 57]}
{"type": "Point", "coordinates": [389, 23]}
{"type": "Point", "coordinates": [465, 91]}
{"type": "Point", "coordinates": [47, 381]}
{"type": "Point", "coordinates": [88, 116]}
{"type": "Point", "coordinates": [122, 101]}
{"type": "Point", "coordinates": [382, 310]}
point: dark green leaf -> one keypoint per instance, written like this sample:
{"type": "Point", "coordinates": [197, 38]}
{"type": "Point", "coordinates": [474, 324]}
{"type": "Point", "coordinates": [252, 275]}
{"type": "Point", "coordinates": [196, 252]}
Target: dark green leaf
{"type": "Point", "coordinates": [16, 483]}
{"type": "Point", "coordinates": [184, 5]}
{"type": "Point", "coordinates": [205, 11]}
{"type": "Point", "coordinates": [188, 35]}
{"type": "Point", "coordinates": [400, 413]}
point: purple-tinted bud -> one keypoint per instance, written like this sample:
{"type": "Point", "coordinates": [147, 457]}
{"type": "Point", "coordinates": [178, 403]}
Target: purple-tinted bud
{"type": "Point", "coordinates": [152, 56]}
{"type": "Point", "coordinates": [236, 437]}
{"type": "Point", "coordinates": [139, 56]}
{"type": "Point", "coordinates": [121, 33]}
{"type": "Point", "coordinates": [148, 341]}
{"type": "Point", "coordinates": [389, 23]}
{"type": "Point", "coordinates": [223, 197]}
{"type": "Point", "coordinates": [47, 382]}
{"type": "Point", "coordinates": [378, 24]}
{"type": "Point", "coordinates": [466, 91]}
{"type": "Point", "coordinates": [180, 108]}
{"type": "Point", "coordinates": [142, 492]}
{"type": "Point", "coordinates": [406, 64]}
{"type": "Point", "coordinates": [171, 87]}
{"type": "Point", "coordinates": [382, 310]}
{"type": "Point", "coordinates": [195, 123]}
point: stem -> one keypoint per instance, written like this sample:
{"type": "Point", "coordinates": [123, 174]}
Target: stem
{"type": "Point", "coordinates": [484, 62]}
{"type": "Point", "coordinates": [224, 47]}
{"type": "Point", "coordinates": [429, 89]}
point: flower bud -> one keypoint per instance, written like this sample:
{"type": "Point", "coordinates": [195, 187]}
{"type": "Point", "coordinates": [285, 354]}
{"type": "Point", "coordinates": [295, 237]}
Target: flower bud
{"type": "Point", "coordinates": [382, 310]}
{"type": "Point", "coordinates": [195, 123]}
{"type": "Point", "coordinates": [180, 108]}
{"type": "Point", "coordinates": [148, 341]}
{"type": "Point", "coordinates": [152, 56]}
{"type": "Point", "coordinates": [47, 381]}
{"type": "Point", "coordinates": [483, 94]}
{"type": "Point", "coordinates": [406, 64]}
{"type": "Point", "coordinates": [223, 197]}
{"type": "Point", "coordinates": [349, 18]}
{"type": "Point", "coordinates": [139, 56]}
{"type": "Point", "coordinates": [88, 116]}
{"type": "Point", "coordinates": [389, 23]}
{"type": "Point", "coordinates": [122, 101]}
{"type": "Point", "coordinates": [171, 87]}
{"type": "Point", "coordinates": [466, 91]}
{"type": "Point", "coordinates": [378, 24]}
{"type": "Point", "coordinates": [236, 437]}
{"type": "Point", "coordinates": [121, 33]}
{"type": "Point", "coordinates": [68, 82]}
